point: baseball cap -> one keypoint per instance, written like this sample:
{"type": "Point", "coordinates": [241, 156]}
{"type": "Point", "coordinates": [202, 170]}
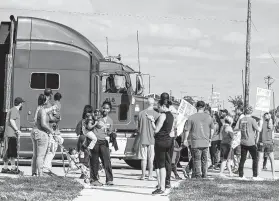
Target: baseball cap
{"type": "Point", "coordinates": [200, 104]}
{"type": "Point", "coordinates": [18, 100]}
{"type": "Point", "coordinates": [48, 92]}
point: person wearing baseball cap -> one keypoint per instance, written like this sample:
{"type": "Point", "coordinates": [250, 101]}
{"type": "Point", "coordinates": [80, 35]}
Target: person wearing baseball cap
{"type": "Point", "coordinates": [11, 135]}
{"type": "Point", "coordinates": [248, 127]}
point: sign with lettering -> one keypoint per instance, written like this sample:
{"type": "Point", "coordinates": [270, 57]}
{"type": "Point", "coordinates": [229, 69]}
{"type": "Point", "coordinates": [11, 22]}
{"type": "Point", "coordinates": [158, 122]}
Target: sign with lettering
{"type": "Point", "coordinates": [185, 110]}
{"type": "Point", "coordinates": [215, 100]}
{"type": "Point", "coordinates": [263, 99]}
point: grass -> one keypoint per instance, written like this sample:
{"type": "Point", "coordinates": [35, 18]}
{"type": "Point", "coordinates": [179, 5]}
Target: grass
{"type": "Point", "coordinates": [39, 189]}
{"type": "Point", "coordinates": [228, 190]}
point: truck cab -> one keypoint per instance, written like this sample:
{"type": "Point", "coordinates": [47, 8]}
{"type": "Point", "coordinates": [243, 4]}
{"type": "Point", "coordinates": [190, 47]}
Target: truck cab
{"type": "Point", "coordinates": [36, 54]}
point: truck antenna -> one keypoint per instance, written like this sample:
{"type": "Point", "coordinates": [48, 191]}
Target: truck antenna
{"type": "Point", "coordinates": [107, 45]}
{"type": "Point", "coordinates": [138, 49]}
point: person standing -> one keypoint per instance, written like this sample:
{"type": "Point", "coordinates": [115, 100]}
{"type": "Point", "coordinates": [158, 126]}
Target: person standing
{"type": "Point", "coordinates": [200, 127]}
{"type": "Point", "coordinates": [173, 132]}
{"type": "Point", "coordinates": [236, 148]}
{"type": "Point", "coordinates": [163, 142]}
{"type": "Point", "coordinates": [101, 150]}
{"type": "Point", "coordinates": [54, 118]}
{"type": "Point", "coordinates": [227, 137]}
{"type": "Point", "coordinates": [146, 137]}
{"type": "Point", "coordinates": [265, 143]}
{"type": "Point", "coordinates": [11, 137]}
{"type": "Point", "coordinates": [83, 152]}
{"type": "Point", "coordinates": [248, 127]}
{"type": "Point", "coordinates": [216, 142]}
{"type": "Point", "coordinates": [40, 136]}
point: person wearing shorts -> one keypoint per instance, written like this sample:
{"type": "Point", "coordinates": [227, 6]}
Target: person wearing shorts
{"type": "Point", "coordinates": [227, 137]}
{"type": "Point", "coordinates": [146, 139]}
{"type": "Point", "coordinates": [11, 137]}
{"type": "Point", "coordinates": [265, 143]}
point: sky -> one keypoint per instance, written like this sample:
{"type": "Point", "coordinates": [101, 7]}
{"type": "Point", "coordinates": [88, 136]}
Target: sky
{"type": "Point", "coordinates": [188, 45]}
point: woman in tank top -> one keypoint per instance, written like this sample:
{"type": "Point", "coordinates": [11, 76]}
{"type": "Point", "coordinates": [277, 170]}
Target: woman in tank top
{"type": "Point", "coordinates": [39, 136]}
{"type": "Point", "coordinates": [163, 143]}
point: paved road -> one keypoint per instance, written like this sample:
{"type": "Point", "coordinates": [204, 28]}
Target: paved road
{"type": "Point", "coordinates": [127, 186]}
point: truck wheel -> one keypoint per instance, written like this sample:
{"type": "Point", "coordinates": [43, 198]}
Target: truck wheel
{"type": "Point", "coordinates": [134, 163]}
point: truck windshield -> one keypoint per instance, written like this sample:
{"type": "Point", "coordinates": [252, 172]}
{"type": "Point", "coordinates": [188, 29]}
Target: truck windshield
{"type": "Point", "coordinates": [113, 83]}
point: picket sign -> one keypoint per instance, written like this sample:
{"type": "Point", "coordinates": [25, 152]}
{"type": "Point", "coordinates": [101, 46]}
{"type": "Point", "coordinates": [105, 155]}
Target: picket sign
{"type": "Point", "coordinates": [263, 98]}
{"type": "Point", "coordinates": [185, 110]}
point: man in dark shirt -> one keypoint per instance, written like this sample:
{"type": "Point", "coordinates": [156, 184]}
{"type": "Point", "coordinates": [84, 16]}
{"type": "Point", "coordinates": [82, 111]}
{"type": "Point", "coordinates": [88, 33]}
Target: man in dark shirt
{"type": "Point", "coordinates": [200, 127]}
{"type": "Point", "coordinates": [248, 127]}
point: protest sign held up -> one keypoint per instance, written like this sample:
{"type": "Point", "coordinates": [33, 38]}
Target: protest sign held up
{"type": "Point", "coordinates": [263, 99]}
{"type": "Point", "coordinates": [185, 110]}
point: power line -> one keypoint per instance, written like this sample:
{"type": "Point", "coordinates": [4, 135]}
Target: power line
{"type": "Point", "coordinates": [273, 58]}
{"type": "Point", "coordinates": [268, 48]}
{"type": "Point", "coordinates": [128, 15]}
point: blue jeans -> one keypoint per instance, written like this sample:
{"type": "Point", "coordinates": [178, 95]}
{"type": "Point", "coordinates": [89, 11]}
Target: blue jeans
{"type": "Point", "coordinates": [199, 162]}
{"type": "Point", "coordinates": [40, 143]}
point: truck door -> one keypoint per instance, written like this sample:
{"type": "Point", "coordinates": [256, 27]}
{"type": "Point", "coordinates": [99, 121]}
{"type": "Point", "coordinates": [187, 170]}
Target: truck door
{"type": "Point", "coordinates": [114, 88]}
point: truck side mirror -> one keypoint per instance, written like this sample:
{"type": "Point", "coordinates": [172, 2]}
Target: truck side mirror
{"type": "Point", "coordinates": [139, 85]}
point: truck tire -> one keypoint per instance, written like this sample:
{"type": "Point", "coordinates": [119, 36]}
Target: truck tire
{"type": "Point", "coordinates": [134, 164]}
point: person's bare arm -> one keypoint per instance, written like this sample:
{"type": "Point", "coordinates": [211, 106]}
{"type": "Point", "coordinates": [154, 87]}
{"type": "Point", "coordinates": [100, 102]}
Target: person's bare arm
{"type": "Point", "coordinates": [13, 124]}
{"type": "Point", "coordinates": [159, 123]}
{"type": "Point", "coordinates": [185, 142]}
{"type": "Point", "coordinates": [44, 122]}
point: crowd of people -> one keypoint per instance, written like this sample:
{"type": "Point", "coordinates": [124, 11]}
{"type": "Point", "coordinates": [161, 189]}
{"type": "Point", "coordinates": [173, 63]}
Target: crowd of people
{"type": "Point", "coordinates": [216, 135]}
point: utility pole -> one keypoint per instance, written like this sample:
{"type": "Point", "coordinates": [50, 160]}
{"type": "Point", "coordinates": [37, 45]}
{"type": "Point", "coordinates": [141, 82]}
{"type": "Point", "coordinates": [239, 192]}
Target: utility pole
{"type": "Point", "coordinates": [247, 66]}
{"type": "Point", "coordinates": [138, 50]}
{"type": "Point", "coordinates": [269, 81]}
{"type": "Point", "coordinates": [107, 46]}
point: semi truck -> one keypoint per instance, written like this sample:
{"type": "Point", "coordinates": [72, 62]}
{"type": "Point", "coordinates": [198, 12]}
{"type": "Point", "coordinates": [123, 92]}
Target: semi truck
{"type": "Point", "coordinates": [36, 54]}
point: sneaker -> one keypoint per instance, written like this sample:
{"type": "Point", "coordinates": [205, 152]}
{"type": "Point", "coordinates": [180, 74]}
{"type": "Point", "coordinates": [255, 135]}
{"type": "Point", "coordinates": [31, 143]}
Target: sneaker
{"type": "Point", "coordinates": [222, 175]}
{"type": "Point", "coordinates": [142, 178]}
{"type": "Point", "coordinates": [168, 186]}
{"type": "Point", "coordinates": [109, 183]}
{"type": "Point", "coordinates": [236, 172]}
{"type": "Point", "coordinates": [82, 176]}
{"type": "Point", "coordinates": [258, 179]}
{"type": "Point", "coordinates": [243, 179]}
{"type": "Point", "coordinates": [96, 183]}
{"type": "Point", "coordinates": [177, 177]}
{"type": "Point", "coordinates": [34, 174]}
{"type": "Point", "coordinates": [151, 179]}
{"type": "Point", "coordinates": [5, 170]}
{"type": "Point", "coordinates": [158, 192]}
{"type": "Point", "coordinates": [211, 167]}
{"type": "Point", "coordinates": [265, 168]}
